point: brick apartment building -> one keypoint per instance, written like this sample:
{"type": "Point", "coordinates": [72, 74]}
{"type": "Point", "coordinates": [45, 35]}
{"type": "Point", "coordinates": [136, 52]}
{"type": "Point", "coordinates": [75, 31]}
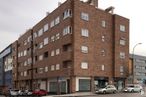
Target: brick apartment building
{"type": "Point", "coordinates": [74, 48]}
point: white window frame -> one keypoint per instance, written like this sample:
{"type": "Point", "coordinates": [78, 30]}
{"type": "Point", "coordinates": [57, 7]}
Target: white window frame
{"type": "Point", "coordinates": [46, 27]}
{"type": "Point", "coordinates": [85, 32]}
{"type": "Point", "coordinates": [57, 66]}
{"type": "Point", "coordinates": [57, 51]}
{"type": "Point", "coordinates": [103, 23]}
{"type": "Point", "coordinates": [57, 36]}
{"type": "Point", "coordinates": [67, 13]}
{"type": "Point", "coordinates": [40, 57]}
{"type": "Point", "coordinates": [25, 73]}
{"type": "Point", "coordinates": [40, 32]}
{"type": "Point", "coordinates": [84, 49]}
{"type": "Point", "coordinates": [57, 20]}
{"type": "Point", "coordinates": [122, 28]}
{"type": "Point", "coordinates": [52, 24]}
{"type": "Point", "coordinates": [121, 69]}
{"type": "Point", "coordinates": [122, 55]}
{"type": "Point", "coordinates": [46, 69]}
{"type": "Point", "coordinates": [122, 41]}
{"type": "Point", "coordinates": [46, 41]}
{"type": "Point", "coordinates": [102, 67]}
{"type": "Point", "coordinates": [84, 16]}
{"type": "Point", "coordinates": [84, 65]}
{"type": "Point", "coordinates": [40, 45]}
{"type": "Point", "coordinates": [52, 53]}
{"type": "Point", "coordinates": [25, 52]}
{"type": "Point", "coordinates": [35, 35]}
{"type": "Point", "coordinates": [52, 38]}
{"type": "Point", "coordinates": [67, 30]}
{"type": "Point", "coordinates": [103, 38]}
{"type": "Point", "coordinates": [52, 67]}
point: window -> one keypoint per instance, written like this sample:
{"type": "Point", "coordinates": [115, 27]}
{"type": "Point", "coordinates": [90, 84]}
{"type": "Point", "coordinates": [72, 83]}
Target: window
{"type": "Point", "coordinates": [84, 65]}
{"type": "Point", "coordinates": [29, 60]}
{"type": "Point", "coordinates": [122, 41]}
{"type": "Point", "coordinates": [21, 53]}
{"type": "Point", "coordinates": [25, 42]}
{"type": "Point", "coordinates": [29, 39]}
{"type": "Point", "coordinates": [122, 28]}
{"type": "Point", "coordinates": [25, 52]}
{"type": "Point", "coordinates": [25, 73]}
{"type": "Point", "coordinates": [121, 68]}
{"type": "Point", "coordinates": [41, 70]}
{"type": "Point", "coordinates": [41, 45]}
{"type": "Point", "coordinates": [67, 47]}
{"type": "Point", "coordinates": [67, 30]}
{"type": "Point", "coordinates": [52, 53]}
{"type": "Point", "coordinates": [57, 66]}
{"type": "Point", "coordinates": [57, 20]}
{"type": "Point", "coordinates": [103, 38]}
{"type": "Point", "coordinates": [103, 52]}
{"type": "Point", "coordinates": [57, 51]}
{"type": "Point", "coordinates": [122, 55]}
{"type": "Point", "coordinates": [85, 16]}
{"type": "Point", "coordinates": [57, 36]}
{"type": "Point", "coordinates": [103, 23]}
{"type": "Point", "coordinates": [52, 67]}
{"type": "Point", "coordinates": [41, 57]}
{"type": "Point", "coordinates": [46, 27]}
{"type": "Point", "coordinates": [102, 67]}
{"type": "Point", "coordinates": [52, 38]}
{"type": "Point", "coordinates": [46, 69]}
{"type": "Point", "coordinates": [46, 55]}
{"type": "Point", "coordinates": [46, 40]}
{"type": "Point", "coordinates": [84, 49]}
{"type": "Point", "coordinates": [21, 74]}
{"type": "Point", "coordinates": [25, 63]}
{"type": "Point", "coordinates": [40, 32]}
{"type": "Point", "coordinates": [35, 35]}
{"type": "Point", "coordinates": [85, 32]}
{"type": "Point", "coordinates": [67, 13]}
{"type": "Point", "coordinates": [52, 24]}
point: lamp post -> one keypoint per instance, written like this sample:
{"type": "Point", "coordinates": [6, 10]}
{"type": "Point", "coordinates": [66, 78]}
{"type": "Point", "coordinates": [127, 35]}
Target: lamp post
{"type": "Point", "coordinates": [133, 59]}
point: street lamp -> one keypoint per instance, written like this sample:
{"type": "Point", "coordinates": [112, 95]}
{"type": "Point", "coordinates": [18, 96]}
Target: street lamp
{"type": "Point", "coordinates": [133, 58]}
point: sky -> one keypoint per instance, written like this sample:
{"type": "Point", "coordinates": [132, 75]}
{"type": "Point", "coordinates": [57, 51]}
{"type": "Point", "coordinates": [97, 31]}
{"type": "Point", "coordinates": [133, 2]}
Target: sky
{"type": "Point", "coordinates": [16, 16]}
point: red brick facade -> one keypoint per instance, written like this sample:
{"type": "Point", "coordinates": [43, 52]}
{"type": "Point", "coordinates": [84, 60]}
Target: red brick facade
{"type": "Point", "coordinates": [65, 56]}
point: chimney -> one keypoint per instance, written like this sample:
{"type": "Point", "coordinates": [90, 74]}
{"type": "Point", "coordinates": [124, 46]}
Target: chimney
{"type": "Point", "coordinates": [59, 3]}
{"type": "Point", "coordinates": [47, 13]}
{"type": "Point", "coordinates": [93, 2]}
{"type": "Point", "coordinates": [110, 9]}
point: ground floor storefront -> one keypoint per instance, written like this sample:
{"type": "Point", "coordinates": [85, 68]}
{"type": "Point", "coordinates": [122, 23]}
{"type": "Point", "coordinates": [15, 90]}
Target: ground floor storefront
{"type": "Point", "coordinates": [65, 85]}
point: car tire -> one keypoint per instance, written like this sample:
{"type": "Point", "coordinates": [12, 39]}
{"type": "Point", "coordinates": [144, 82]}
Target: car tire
{"type": "Point", "coordinates": [104, 92]}
{"type": "Point", "coordinates": [114, 92]}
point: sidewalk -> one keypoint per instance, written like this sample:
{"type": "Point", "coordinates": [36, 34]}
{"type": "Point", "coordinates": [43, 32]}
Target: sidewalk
{"type": "Point", "coordinates": [73, 95]}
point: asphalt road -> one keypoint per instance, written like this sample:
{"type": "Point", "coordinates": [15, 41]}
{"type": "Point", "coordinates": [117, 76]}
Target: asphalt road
{"type": "Point", "coordinates": [103, 95]}
{"type": "Point", "coordinates": [119, 95]}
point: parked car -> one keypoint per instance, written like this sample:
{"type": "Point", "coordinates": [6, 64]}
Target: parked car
{"type": "Point", "coordinates": [133, 88]}
{"type": "Point", "coordinates": [107, 89]}
{"type": "Point", "coordinates": [14, 92]}
{"type": "Point", "coordinates": [28, 92]}
{"type": "Point", "coordinates": [40, 92]}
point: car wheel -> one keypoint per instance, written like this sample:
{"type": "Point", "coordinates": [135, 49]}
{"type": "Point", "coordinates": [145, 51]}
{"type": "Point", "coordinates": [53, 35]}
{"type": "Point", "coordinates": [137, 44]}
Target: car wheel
{"type": "Point", "coordinates": [114, 92]}
{"type": "Point", "coordinates": [104, 92]}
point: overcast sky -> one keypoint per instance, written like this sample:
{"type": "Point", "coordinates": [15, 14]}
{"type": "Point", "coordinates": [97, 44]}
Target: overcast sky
{"type": "Point", "coordinates": [16, 16]}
